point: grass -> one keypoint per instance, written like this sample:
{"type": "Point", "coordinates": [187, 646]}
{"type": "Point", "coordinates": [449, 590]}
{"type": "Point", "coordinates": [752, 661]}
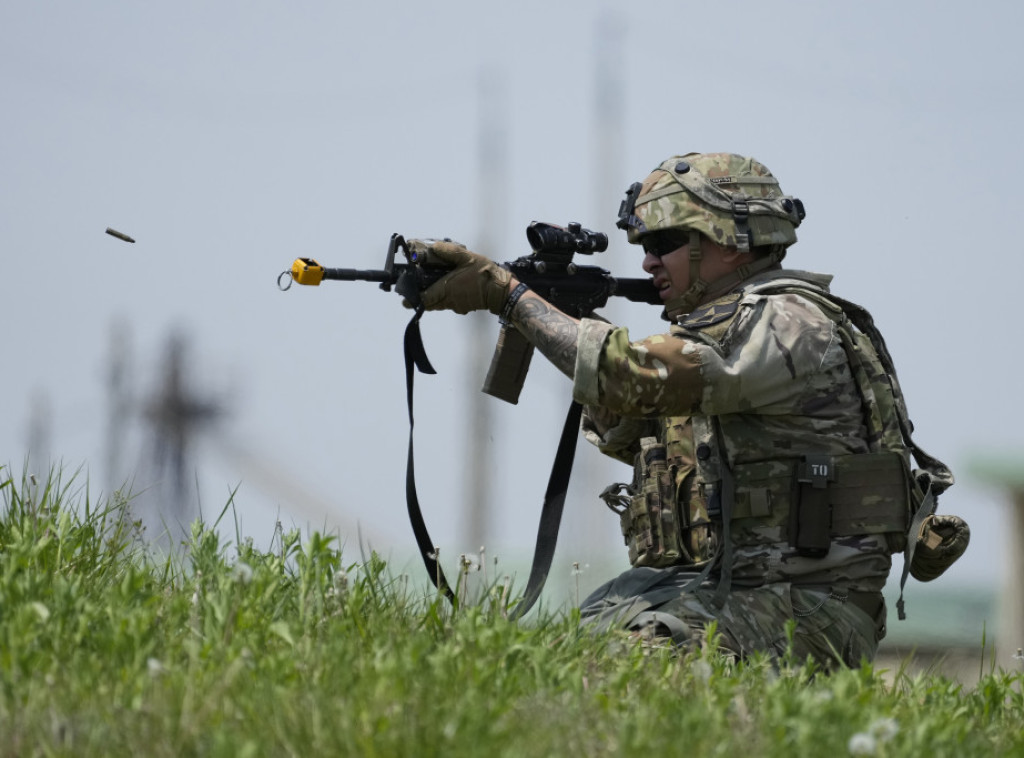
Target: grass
{"type": "Point", "coordinates": [227, 649]}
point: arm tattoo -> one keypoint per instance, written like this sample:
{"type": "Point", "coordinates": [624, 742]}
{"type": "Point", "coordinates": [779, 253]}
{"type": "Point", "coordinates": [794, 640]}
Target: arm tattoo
{"type": "Point", "coordinates": [549, 330]}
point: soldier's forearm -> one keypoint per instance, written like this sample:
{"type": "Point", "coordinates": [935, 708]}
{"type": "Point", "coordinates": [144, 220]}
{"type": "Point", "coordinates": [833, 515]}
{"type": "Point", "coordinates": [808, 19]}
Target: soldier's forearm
{"type": "Point", "coordinates": [549, 330]}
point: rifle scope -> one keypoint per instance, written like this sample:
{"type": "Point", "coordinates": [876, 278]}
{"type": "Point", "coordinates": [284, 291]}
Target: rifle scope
{"type": "Point", "coordinates": [549, 238]}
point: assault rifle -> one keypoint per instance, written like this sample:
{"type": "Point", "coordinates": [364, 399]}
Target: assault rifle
{"type": "Point", "coordinates": [549, 271]}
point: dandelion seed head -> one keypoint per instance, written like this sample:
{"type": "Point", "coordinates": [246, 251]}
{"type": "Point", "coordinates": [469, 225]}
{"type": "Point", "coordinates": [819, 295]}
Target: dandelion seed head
{"type": "Point", "coordinates": [578, 568]}
{"type": "Point", "coordinates": [862, 743]}
{"type": "Point", "coordinates": [242, 573]}
{"type": "Point", "coordinates": [884, 729]}
{"type": "Point", "coordinates": [341, 581]}
{"type": "Point", "coordinates": [702, 670]}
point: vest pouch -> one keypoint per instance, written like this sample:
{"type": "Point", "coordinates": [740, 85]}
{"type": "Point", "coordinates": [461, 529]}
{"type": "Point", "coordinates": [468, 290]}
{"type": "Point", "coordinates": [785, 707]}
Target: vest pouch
{"type": "Point", "coordinates": [652, 524]}
{"type": "Point", "coordinates": [812, 517]}
{"type": "Point", "coordinates": [942, 540]}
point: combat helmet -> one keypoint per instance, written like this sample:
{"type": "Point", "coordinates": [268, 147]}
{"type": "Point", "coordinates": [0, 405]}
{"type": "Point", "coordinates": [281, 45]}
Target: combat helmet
{"type": "Point", "coordinates": [732, 200]}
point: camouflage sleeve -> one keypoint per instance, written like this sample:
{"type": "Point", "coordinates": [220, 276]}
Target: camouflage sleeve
{"type": "Point", "coordinates": [589, 346]}
{"type": "Point", "coordinates": [782, 354]}
{"type": "Point", "coordinates": [659, 375]}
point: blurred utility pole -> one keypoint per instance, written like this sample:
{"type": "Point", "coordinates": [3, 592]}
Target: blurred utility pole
{"type": "Point", "coordinates": [175, 416]}
{"type": "Point", "coordinates": [119, 402]}
{"type": "Point", "coordinates": [594, 529]}
{"type": "Point", "coordinates": [39, 428]}
{"type": "Point", "coordinates": [492, 194]}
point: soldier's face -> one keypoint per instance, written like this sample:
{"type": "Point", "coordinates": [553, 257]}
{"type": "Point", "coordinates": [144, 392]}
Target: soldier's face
{"type": "Point", "coordinates": [667, 260]}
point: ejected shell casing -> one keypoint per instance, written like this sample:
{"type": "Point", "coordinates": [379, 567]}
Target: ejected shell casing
{"type": "Point", "coordinates": [119, 235]}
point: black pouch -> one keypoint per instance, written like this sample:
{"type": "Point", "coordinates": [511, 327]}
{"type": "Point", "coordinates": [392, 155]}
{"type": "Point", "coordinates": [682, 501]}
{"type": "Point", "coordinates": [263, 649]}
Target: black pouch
{"type": "Point", "coordinates": [811, 518]}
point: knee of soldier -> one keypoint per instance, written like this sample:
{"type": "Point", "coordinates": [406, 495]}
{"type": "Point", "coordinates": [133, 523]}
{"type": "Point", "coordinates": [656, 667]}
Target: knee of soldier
{"type": "Point", "coordinates": [832, 630]}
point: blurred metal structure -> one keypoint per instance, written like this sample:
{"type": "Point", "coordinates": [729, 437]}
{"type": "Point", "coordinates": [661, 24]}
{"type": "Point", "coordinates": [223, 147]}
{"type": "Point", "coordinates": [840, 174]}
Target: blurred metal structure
{"type": "Point", "coordinates": [593, 538]}
{"type": "Point", "coordinates": [119, 404]}
{"type": "Point", "coordinates": [40, 428]}
{"type": "Point", "coordinates": [1008, 475]}
{"type": "Point", "coordinates": [492, 194]}
{"type": "Point", "coordinates": [174, 414]}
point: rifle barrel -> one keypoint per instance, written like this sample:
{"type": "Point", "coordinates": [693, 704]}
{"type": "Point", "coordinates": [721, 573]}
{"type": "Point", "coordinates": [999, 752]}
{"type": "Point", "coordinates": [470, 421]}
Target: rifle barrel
{"type": "Point", "coordinates": [359, 275]}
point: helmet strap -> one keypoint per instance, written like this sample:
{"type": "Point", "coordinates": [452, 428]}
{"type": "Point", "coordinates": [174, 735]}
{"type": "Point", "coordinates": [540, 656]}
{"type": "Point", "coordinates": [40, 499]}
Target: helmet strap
{"type": "Point", "coordinates": [741, 217]}
{"type": "Point", "coordinates": [698, 287]}
{"type": "Point", "coordinates": [701, 292]}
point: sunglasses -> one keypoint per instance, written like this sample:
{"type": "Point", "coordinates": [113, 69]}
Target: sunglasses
{"type": "Point", "coordinates": [663, 243]}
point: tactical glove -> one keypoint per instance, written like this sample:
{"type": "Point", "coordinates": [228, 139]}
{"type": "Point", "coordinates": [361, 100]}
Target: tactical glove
{"type": "Point", "coordinates": [475, 282]}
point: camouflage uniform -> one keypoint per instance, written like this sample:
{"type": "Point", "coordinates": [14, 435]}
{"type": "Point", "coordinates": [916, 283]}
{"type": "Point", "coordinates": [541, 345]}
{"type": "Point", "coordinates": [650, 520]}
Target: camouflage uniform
{"type": "Point", "coordinates": [770, 441]}
{"type": "Point", "coordinates": [764, 377]}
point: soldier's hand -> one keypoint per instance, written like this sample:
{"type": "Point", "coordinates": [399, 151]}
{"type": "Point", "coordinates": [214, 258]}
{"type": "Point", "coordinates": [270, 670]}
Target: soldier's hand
{"type": "Point", "coordinates": [474, 283]}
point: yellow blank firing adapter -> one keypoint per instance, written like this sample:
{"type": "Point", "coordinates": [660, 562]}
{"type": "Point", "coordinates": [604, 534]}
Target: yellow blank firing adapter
{"type": "Point", "coordinates": [307, 271]}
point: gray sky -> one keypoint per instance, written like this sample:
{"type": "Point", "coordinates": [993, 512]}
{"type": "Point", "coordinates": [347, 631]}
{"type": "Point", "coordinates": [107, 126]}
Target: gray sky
{"type": "Point", "coordinates": [230, 137]}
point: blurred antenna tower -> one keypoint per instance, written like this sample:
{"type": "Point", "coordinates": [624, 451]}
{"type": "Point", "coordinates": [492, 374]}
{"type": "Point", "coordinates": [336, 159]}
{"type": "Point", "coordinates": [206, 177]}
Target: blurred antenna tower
{"type": "Point", "coordinates": [492, 195]}
{"type": "Point", "coordinates": [175, 416]}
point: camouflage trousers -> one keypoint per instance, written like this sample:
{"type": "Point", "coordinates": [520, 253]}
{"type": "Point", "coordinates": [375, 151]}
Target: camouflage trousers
{"type": "Point", "coordinates": [829, 627]}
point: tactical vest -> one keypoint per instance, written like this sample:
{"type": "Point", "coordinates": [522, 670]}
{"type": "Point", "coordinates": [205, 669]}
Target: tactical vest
{"type": "Point", "coordinates": [688, 503]}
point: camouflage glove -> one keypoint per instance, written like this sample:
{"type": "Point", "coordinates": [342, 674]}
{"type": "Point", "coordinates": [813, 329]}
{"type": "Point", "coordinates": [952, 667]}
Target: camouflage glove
{"type": "Point", "coordinates": [943, 539]}
{"type": "Point", "coordinates": [475, 283]}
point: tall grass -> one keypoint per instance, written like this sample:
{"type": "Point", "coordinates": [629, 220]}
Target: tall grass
{"type": "Point", "coordinates": [228, 649]}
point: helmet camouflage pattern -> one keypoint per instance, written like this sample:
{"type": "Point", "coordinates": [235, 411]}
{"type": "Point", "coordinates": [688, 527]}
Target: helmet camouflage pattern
{"type": "Point", "coordinates": [733, 200]}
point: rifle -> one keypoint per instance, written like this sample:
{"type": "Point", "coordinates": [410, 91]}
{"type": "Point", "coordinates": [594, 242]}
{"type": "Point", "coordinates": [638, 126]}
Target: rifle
{"type": "Point", "coordinates": [549, 271]}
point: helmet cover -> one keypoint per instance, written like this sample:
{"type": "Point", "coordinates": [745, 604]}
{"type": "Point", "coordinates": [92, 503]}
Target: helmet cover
{"type": "Point", "coordinates": [733, 200]}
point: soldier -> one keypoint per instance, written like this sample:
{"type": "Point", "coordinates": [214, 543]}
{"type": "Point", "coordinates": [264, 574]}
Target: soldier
{"type": "Point", "coordinates": [771, 451]}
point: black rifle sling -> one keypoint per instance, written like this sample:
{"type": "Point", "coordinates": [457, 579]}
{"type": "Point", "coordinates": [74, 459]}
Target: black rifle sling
{"type": "Point", "coordinates": [554, 496]}
{"type": "Point", "coordinates": [416, 358]}
{"type": "Point", "coordinates": [551, 512]}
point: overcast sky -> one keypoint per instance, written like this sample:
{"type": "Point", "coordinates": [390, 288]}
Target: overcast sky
{"type": "Point", "coordinates": [228, 138]}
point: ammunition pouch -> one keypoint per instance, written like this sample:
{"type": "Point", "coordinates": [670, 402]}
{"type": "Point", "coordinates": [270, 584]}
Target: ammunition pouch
{"type": "Point", "coordinates": [808, 502]}
{"type": "Point", "coordinates": [652, 511]}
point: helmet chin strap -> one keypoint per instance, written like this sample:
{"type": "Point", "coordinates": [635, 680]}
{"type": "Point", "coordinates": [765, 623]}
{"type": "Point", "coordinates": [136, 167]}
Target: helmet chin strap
{"type": "Point", "coordinates": [680, 306]}
{"type": "Point", "coordinates": [701, 291]}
